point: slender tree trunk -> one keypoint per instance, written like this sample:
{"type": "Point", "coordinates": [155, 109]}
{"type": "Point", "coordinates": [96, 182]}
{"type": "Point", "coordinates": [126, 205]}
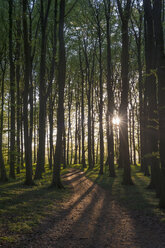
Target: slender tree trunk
{"type": "Point", "coordinates": [130, 136]}
{"type": "Point", "coordinates": [93, 129]}
{"type": "Point", "coordinates": [56, 182]}
{"type": "Point", "coordinates": [64, 148]}
{"type": "Point", "coordinates": [22, 146]}
{"type": "Point", "coordinates": [8, 134]}
{"type": "Point", "coordinates": [124, 146]}
{"type": "Point", "coordinates": [68, 143]}
{"type": "Point", "coordinates": [12, 93]}
{"type": "Point", "coordinates": [142, 124]}
{"type": "Point", "coordinates": [52, 74]}
{"type": "Point", "coordinates": [97, 151]}
{"type": "Point", "coordinates": [89, 128]}
{"type": "Point", "coordinates": [18, 47]}
{"type": "Point", "coordinates": [79, 133]}
{"type": "Point", "coordinates": [133, 136]}
{"type": "Point", "coordinates": [88, 89]}
{"type": "Point", "coordinates": [27, 139]}
{"type": "Point", "coordinates": [82, 110]}
{"type": "Point", "coordinates": [35, 124]}
{"type": "Point", "coordinates": [101, 99]}
{"type": "Point", "coordinates": [50, 131]}
{"type": "Point", "coordinates": [69, 125]}
{"type": "Point", "coordinates": [76, 134]}
{"type": "Point", "coordinates": [71, 146]}
{"type": "Point", "coordinates": [3, 176]}
{"type": "Point", "coordinates": [42, 92]}
{"type": "Point", "coordinates": [110, 137]}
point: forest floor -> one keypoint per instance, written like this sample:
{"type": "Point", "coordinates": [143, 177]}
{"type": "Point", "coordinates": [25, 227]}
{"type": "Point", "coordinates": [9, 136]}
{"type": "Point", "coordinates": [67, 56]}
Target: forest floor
{"type": "Point", "coordinates": [92, 217]}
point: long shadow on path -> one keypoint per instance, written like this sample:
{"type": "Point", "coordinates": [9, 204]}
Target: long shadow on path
{"type": "Point", "coordinates": [94, 219]}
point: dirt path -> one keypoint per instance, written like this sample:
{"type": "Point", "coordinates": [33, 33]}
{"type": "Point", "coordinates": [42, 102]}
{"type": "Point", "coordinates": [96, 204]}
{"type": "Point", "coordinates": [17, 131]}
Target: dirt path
{"type": "Point", "coordinates": [92, 219]}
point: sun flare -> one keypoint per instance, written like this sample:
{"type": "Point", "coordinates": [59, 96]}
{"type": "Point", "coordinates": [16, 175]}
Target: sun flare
{"type": "Point", "coordinates": [116, 120]}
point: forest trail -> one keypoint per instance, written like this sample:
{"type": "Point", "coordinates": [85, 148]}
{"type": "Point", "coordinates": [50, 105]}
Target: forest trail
{"type": "Point", "coordinates": [91, 218]}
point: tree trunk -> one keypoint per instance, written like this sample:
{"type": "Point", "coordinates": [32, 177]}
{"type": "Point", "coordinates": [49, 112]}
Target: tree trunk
{"type": "Point", "coordinates": [93, 129]}
{"type": "Point", "coordinates": [133, 136]}
{"type": "Point", "coordinates": [88, 90]}
{"type": "Point", "coordinates": [110, 137]}
{"type": "Point", "coordinates": [42, 93]}
{"type": "Point", "coordinates": [56, 182]}
{"type": "Point", "coordinates": [22, 146]}
{"type": "Point", "coordinates": [69, 125]}
{"type": "Point", "coordinates": [64, 148]}
{"type": "Point", "coordinates": [159, 36]}
{"type": "Point", "coordinates": [3, 176]}
{"type": "Point", "coordinates": [28, 160]}
{"type": "Point", "coordinates": [151, 97]}
{"type": "Point", "coordinates": [130, 136]}
{"type": "Point", "coordinates": [18, 47]}
{"type": "Point", "coordinates": [50, 131]}
{"type": "Point", "coordinates": [101, 99]}
{"type": "Point", "coordinates": [12, 93]}
{"type": "Point", "coordinates": [52, 74]}
{"type": "Point", "coordinates": [82, 110]}
{"type": "Point", "coordinates": [124, 146]}
{"type": "Point", "coordinates": [79, 132]}
{"type": "Point", "coordinates": [76, 134]}
{"type": "Point", "coordinates": [35, 124]}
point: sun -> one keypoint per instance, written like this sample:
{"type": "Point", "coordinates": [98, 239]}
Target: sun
{"type": "Point", "coordinates": [116, 120]}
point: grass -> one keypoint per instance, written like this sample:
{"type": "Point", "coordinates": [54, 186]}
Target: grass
{"type": "Point", "coordinates": [136, 197]}
{"type": "Point", "coordinates": [22, 208]}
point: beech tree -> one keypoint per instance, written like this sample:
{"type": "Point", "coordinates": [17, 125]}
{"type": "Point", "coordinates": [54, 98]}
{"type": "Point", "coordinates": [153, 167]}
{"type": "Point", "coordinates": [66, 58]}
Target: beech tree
{"type": "Point", "coordinates": [124, 12]}
{"type": "Point", "coordinates": [56, 182]}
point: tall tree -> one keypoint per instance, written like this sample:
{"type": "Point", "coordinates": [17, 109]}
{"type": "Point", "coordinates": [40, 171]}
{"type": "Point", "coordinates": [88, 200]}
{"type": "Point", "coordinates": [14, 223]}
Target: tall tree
{"type": "Point", "coordinates": [159, 38]}
{"type": "Point", "coordinates": [52, 95]}
{"type": "Point", "coordinates": [150, 82]}
{"type": "Point", "coordinates": [42, 90]}
{"type": "Point", "coordinates": [3, 176]}
{"type": "Point", "coordinates": [18, 51]}
{"type": "Point", "coordinates": [124, 12]}
{"type": "Point", "coordinates": [56, 182]}
{"type": "Point", "coordinates": [110, 110]}
{"type": "Point", "coordinates": [12, 92]}
{"type": "Point", "coordinates": [98, 27]}
{"type": "Point", "coordinates": [142, 105]}
{"type": "Point", "coordinates": [82, 107]}
{"type": "Point", "coordinates": [27, 140]}
{"type": "Point", "coordinates": [88, 89]}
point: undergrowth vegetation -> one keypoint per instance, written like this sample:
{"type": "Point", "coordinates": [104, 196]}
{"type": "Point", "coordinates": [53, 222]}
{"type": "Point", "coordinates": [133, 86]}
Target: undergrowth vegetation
{"type": "Point", "coordinates": [136, 197]}
{"type": "Point", "coordinates": [22, 208]}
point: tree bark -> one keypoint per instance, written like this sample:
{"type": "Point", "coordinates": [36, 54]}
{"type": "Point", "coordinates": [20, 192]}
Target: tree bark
{"type": "Point", "coordinates": [82, 109]}
{"type": "Point", "coordinates": [28, 159]}
{"type": "Point", "coordinates": [124, 146]}
{"type": "Point", "coordinates": [101, 97]}
{"type": "Point", "coordinates": [42, 92]}
{"type": "Point", "coordinates": [110, 137]}
{"type": "Point", "coordinates": [151, 97]}
{"type": "Point", "coordinates": [12, 93]}
{"type": "Point", "coordinates": [56, 182]}
{"type": "Point", "coordinates": [159, 36]}
{"type": "Point", "coordinates": [3, 176]}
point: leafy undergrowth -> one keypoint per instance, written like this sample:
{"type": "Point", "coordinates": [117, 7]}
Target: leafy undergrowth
{"type": "Point", "coordinates": [22, 208]}
{"type": "Point", "coordinates": [136, 197]}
